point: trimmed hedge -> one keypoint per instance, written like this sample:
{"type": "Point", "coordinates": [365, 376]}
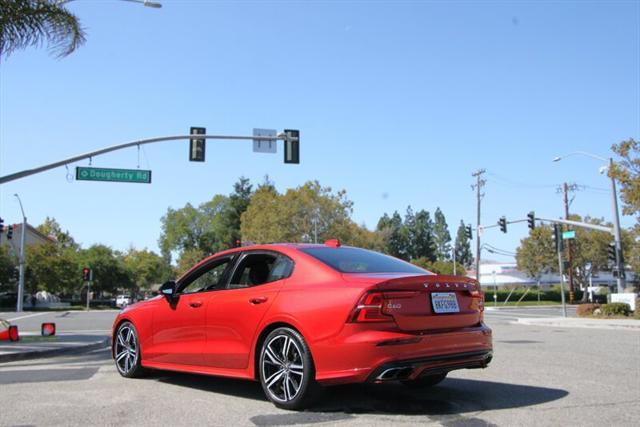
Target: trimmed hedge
{"type": "Point", "coordinates": [615, 309]}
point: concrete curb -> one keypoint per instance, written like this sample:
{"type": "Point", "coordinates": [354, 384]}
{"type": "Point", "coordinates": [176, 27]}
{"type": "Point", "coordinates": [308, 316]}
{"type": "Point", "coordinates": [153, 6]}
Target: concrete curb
{"type": "Point", "coordinates": [572, 322]}
{"type": "Point", "coordinates": [52, 352]}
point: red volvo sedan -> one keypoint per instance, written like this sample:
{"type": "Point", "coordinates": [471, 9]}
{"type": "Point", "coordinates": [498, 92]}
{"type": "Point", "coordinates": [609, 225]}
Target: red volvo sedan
{"type": "Point", "coordinates": [299, 316]}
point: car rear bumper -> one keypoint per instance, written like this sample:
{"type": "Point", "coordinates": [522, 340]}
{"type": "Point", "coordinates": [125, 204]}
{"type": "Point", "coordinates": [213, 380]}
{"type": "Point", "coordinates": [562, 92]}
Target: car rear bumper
{"type": "Point", "coordinates": [415, 368]}
{"type": "Point", "coordinates": [363, 355]}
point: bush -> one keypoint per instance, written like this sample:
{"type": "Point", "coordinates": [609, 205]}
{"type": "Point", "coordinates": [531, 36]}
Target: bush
{"type": "Point", "coordinates": [586, 309]}
{"type": "Point", "coordinates": [616, 309]}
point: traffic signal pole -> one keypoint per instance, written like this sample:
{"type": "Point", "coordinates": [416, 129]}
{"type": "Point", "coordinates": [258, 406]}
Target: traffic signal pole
{"type": "Point", "coordinates": [17, 175]}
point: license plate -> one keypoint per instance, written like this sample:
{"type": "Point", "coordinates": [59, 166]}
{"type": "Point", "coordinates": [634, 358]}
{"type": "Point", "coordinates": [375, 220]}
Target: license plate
{"type": "Point", "coordinates": [444, 302]}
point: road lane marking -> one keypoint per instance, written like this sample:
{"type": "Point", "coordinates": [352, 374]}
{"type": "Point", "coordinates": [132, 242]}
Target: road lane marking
{"type": "Point", "coordinates": [29, 315]}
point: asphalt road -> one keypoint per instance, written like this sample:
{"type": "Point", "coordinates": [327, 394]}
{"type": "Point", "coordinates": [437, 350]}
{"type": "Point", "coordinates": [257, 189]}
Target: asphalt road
{"type": "Point", "coordinates": [540, 376]}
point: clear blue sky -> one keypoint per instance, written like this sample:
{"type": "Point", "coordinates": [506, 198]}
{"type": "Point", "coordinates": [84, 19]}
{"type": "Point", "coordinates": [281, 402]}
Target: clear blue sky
{"type": "Point", "coordinates": [397, 102]}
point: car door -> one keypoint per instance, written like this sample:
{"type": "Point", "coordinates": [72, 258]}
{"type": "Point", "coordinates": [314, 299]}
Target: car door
{"type": "Point", "coordinates": [179, 323]}
{"type": "Point", "coordinates": [233, 317]}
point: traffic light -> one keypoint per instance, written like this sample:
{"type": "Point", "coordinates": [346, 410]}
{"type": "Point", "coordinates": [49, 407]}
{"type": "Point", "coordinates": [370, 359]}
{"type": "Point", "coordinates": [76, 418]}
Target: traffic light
{"type": "Point", "coordinates": [16, 273]}
{"type": "Point", "coordinates": [467, 231]}
{"type": "Point", "coordinates": [238, 243]}
{"type": "Point", "coordinates": [611, 252]}
{"type": "Point", "coordinates": [197, 145]}
{"type": "Point", "coordinates": [10, 232]}
{"type": "Point", "coordinates": [502, 222]}
{"type": "Point", "coordinates": [292, 146]}
{"type": "Point", "coordinates": [87, 275]}
{"type": "Point", "coordinates": [531, 220]}
{"type": "Point", "coordinates": [1, 225]}
{"type": "Point", "coordinates": [557, 237]}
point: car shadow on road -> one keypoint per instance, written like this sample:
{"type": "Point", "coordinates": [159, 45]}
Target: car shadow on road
{"type": "Point", "coordinates": [453, 396]}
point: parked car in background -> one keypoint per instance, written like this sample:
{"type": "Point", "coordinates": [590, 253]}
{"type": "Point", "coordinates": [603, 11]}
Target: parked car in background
{"type": "Point", "coordinates": [123, 300]}
{"type": "Point", "coordinates": [298, 316]}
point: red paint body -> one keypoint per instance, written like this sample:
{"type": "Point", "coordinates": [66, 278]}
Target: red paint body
{"type": "Point", "coordinates": [218, 332]}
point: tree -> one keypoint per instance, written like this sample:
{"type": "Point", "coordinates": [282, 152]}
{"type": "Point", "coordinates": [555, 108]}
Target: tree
{"type": "Point", "coordinates": [237, 204]}
{"type": "Point", "coordinates": [188, 258]}
{"type": "Point", "coordinates": [395, 236]}
{"type": "Point", "coordinates": [303, 214]}
{"type": "Point", "coordinates": [590, 249]}
{"type": "Point", "coordinates": [441, 236]}
{"type": "Point", "coordinates": [440, 267]}
{"type": "Point", "coordinates": [536, 254]}
{"type": "Point", "coordinates": [8, 264]}
{"type": "Point", "coordinates": [51, 228]}
{"type": "Point", "coordinates": [52, 268]}
{"type": "Point", "coordinates": [627, 172]}
{"type": "Point", "coordinates": [202, 228]}
{"type": "Point", "coordinates": [147, 268]}
{"type": "Point", "coordinates": [463, 246]}
{"type": "Point", "coordinates": [26, 23]}
{"type": "Point", "coordinates": [423, 242]}
{"type": "Point", "coordinates": [110, 274]}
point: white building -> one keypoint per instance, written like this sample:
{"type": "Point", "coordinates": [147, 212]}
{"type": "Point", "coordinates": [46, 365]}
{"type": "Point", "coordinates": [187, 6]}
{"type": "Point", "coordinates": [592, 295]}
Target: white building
{"type": "Point", "coordinates": [503, 273]}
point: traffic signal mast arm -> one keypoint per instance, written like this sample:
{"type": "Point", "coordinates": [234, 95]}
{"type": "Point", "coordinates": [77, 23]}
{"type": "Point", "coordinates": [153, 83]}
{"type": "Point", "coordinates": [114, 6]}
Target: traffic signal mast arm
{"type": "Point", "coordinates": [558, 221]}
{"type": "Point", "coordinates": [27, 172]}
{"type": "Point", "coordinates": [578, 224]}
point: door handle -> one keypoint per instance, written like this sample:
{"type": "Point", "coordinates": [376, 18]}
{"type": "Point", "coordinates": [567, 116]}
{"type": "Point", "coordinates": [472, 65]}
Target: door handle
{"type": "Point", "coordinates": [258, 300]}
{"type": "Point", "coordinates": [195, 304]}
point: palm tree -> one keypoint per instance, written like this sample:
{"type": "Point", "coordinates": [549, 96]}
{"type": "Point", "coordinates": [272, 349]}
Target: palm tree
{"type": "Point", "coordinates": [26, 23]}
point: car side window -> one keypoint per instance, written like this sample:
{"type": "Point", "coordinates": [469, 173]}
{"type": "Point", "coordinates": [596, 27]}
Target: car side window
{"type": "Point", "coordinates": [260, 268]}
{"type": "Point", "coordinates": [211, 278]}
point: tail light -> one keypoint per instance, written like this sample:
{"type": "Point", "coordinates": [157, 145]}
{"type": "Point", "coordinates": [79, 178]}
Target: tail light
{"type": "Point", "coordinates": [369, 309]}
{"type": "Point", "coordinates": [477, 301]}
{"type": "Point", "coordinates": [372, 306]}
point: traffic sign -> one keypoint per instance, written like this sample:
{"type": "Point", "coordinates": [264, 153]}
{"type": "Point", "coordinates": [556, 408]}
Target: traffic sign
{"type": "Point", "coordinates": [260, 146]}
{"type": "Point", "coordinates": [571, 234]}
{"type": "Point", "coordinates": [139, 176]}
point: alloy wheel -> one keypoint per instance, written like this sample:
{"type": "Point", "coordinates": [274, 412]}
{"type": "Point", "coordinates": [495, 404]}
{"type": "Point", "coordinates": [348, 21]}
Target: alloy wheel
{"type": "Point", "coordinates": [126, 349]}
{"type": "Point", "coordinates": [282, 368]}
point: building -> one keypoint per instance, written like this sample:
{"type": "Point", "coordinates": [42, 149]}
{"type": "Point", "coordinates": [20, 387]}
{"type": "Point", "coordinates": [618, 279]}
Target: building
{"type": "Point", "coordinates": [32, 237]}
{"type": "Point", "coordinates": [503, 274]}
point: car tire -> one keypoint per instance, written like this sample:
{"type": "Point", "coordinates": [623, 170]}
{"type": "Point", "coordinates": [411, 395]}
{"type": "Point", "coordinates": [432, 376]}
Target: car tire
{"type": "Point", "coordinates": [126, 351]}
{"type": "Point", "coordinates": [425, 381]}
{"type": "Point", "coordinates": [286, 370]}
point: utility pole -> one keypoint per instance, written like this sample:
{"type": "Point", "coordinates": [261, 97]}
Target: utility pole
{"type": "Point", "coordinates": [566, 188]}
{"type": "Point", "coordinates": [478, 187]}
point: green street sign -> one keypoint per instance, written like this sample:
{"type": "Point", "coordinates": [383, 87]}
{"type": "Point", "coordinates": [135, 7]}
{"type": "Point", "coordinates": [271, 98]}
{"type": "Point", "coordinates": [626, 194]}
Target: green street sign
{"type": "Point", "coordinates": [138, 176]}
{"type": "Point", "coordinates": [567, 235]}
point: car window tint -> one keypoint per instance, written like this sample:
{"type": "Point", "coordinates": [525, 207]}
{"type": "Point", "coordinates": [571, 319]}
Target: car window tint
{"type": "Point", "coordinates": [257, 269]}
{"type": "Point", "coordinates": [356, 260]}
{"type": "Point", "coordinates": [209, 279]}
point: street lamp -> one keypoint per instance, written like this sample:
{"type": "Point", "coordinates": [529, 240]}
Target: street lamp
{"type": "Point", "coordinates": [147, 3]}
{"type": "Point", "coordinates": [22, 259]}
{"type": "Point", "coordinates": [620, 280]}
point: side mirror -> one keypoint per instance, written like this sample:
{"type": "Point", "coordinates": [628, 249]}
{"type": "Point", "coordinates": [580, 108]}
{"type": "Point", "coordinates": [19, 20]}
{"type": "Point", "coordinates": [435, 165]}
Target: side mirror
{"type": "Point", "coordinates": [168, 289]}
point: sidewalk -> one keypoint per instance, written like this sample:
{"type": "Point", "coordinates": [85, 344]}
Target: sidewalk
{"type": "Point", "coordinates": [33, 346]}
{"type": "Point", "coordinates": [580, 322]}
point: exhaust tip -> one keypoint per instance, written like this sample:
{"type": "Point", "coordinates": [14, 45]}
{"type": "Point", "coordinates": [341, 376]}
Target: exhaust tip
{"type": "Point", "coordinates": [395, 374]}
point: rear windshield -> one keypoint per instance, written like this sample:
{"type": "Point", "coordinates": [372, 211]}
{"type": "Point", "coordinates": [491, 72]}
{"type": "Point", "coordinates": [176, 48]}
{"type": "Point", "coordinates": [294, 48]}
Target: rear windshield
{"type": "Point", "coordinates": [356, 260]}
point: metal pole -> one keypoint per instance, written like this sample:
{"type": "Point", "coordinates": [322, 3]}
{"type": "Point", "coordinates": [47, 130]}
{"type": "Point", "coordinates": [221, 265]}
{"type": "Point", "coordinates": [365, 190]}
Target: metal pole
{"type": "Point", "coordinates": [22, 259]}
{"type": "Point", "coordinates": [22, 265]}
{"type": "Point", "coordinates": [564, 304]}
{"type": "Point", "coordinates": [454, 260]}
{"type": "Point", "coordinates": [569, 245]}
{"type": "Point", "coordinates": [95, 153]}
{"type": "Point", "coordinates": [478, 186]}
{"type": "Point", "coordinates": [88, 293]}
{"type": "Point", "coordinates": [620, 280]}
